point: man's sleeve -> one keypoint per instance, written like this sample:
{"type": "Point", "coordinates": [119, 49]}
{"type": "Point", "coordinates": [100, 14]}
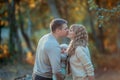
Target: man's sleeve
{"type": "Point", "coordinates": [54, 58]}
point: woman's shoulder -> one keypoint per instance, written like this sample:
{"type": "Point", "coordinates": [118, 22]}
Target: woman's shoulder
{"type": "Point", "coordinates": [78, 48]}
{"type": "Point", "coordinates": [81, 48]}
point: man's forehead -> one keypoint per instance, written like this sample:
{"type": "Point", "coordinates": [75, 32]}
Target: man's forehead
{"type": "Point", "coordinates": [64, 26]}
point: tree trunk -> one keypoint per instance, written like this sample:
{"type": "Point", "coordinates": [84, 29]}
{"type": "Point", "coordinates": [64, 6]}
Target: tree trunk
{"type": "Point", "coordinates": [29, 28]}
{"type": "Point", "coordinates": [118, 38]}
{"type": "Point", "coordinates": [97, 41]}
{"type": "Point", "coordinates": [101, 35]}
{"type": "Point", "coordinates": [53, 8]}
{"type": "Point", "coordinates": [25, 36]}
{"type": "Point", "coordinates": [0, 33]}
{"type": "Point", "coordinates": [13, 30]}
{"type": "Point", "coordinates": [29, 31]}
{"type": "Point", "coordinates": [14, 41]}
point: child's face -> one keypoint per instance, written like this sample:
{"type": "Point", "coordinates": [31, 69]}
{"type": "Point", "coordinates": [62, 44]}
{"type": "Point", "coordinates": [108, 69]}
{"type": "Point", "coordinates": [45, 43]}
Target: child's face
{"type": "Point", "coordinates": [63, 50]}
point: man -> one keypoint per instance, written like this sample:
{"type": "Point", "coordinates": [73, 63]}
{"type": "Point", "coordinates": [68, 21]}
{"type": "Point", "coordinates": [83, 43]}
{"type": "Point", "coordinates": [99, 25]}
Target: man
{"type": "Point", "coordinates": [47, 61]}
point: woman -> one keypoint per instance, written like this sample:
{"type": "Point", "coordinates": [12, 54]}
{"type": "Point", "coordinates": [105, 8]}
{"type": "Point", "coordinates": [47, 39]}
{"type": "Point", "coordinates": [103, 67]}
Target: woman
{"type": "Point", "coordinates": [79, 56]}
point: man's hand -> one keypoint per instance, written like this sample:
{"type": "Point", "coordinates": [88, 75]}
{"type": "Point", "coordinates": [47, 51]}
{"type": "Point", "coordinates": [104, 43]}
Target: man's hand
{"type": "Point", "coordinates": [91, 78]}
{"type": "Point", "coordinates": [59, 76]}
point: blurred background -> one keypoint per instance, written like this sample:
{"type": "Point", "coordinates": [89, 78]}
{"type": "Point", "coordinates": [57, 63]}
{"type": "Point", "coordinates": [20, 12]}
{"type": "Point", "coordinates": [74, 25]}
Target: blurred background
{"type": "Point", "coordinates": [24, 22]}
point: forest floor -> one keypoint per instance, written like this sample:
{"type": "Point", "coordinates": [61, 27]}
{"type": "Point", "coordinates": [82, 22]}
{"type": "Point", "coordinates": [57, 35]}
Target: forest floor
{"type": "Point", "coordinates": [10, 72]}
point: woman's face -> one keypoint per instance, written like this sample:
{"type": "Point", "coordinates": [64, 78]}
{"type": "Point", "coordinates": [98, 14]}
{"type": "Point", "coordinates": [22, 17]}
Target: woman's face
{"type": "Point", "coordinates": [71, 33]}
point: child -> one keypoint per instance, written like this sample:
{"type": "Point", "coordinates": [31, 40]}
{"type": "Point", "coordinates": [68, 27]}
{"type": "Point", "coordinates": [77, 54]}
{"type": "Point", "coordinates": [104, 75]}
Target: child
{"type": "Point", "coordinates": [63, 59]}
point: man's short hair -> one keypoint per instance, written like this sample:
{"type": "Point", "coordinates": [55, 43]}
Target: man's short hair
{"type": "Point", "coordinates": [57, 23]}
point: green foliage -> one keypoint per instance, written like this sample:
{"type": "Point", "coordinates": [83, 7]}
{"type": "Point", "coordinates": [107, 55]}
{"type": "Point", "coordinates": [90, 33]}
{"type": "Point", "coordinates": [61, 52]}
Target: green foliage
{"type": "Point", "coordinates": [92, 5]}
{"type": "Point", "coordinates": [103, 14]}
{"type": "Point", "coordinates": [38, 34]}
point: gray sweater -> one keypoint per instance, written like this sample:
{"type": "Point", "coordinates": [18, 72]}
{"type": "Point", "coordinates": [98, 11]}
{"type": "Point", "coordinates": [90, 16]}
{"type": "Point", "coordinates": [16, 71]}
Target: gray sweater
{"type": "Point", "coordinates": [47, 61]}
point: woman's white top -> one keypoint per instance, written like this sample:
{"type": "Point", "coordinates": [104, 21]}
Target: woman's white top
{"type": "Point", "coordinates": [80, 62]}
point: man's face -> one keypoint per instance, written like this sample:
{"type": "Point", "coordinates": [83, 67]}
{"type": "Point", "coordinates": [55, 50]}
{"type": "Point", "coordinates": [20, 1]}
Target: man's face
{"type": "Point", "coordinates": [64, 31]}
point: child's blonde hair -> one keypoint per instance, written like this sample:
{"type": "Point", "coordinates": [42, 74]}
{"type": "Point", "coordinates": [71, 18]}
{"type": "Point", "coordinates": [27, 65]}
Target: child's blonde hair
{"type": "Point", "coordinates": [64, 46]}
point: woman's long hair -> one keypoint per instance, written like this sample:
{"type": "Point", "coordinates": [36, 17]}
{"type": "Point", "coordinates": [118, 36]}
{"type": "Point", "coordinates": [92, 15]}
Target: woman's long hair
{"type": "Point", "coordinates": [80, 39]}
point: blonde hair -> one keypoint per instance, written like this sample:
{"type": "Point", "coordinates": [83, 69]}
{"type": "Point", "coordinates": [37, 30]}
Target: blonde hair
{"type": "Point", "coordinates": [64, 46]}
{"type": "Point", "coordinates": [80, 39]}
